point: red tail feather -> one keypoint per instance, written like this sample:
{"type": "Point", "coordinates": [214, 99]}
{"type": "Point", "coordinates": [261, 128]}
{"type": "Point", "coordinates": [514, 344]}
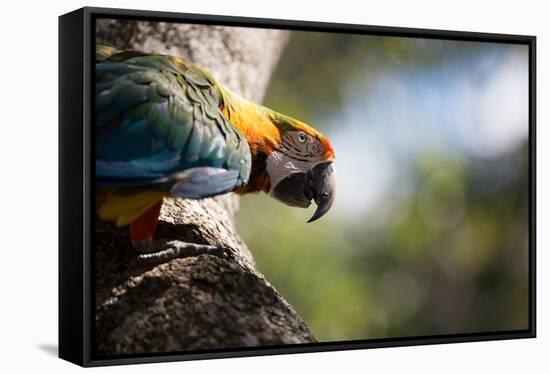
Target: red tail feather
{"type": "Point", "coordinates": [143, 228]}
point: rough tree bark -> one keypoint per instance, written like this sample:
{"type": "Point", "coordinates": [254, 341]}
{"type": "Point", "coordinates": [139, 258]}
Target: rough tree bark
{"type": "Point", "coordinates": [205, 301]}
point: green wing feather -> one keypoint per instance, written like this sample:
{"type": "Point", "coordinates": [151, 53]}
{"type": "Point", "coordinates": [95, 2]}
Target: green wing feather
{"type": "Point", "coordinates": [157, 116]}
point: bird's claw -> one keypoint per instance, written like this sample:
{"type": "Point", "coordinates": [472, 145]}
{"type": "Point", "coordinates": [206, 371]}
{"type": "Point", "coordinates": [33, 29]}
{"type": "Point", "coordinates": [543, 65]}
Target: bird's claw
{"type": "Point", "coordinates": [175, 248]}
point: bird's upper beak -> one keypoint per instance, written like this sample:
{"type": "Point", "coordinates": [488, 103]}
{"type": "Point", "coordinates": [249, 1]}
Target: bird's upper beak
{"type": "Point", "coordinates": [298, 189]}
{"type": "Point", "coordinates": [322, 183]}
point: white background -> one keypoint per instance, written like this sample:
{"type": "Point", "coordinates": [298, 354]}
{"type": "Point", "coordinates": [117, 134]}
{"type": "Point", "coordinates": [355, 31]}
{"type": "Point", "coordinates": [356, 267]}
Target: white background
{"type": "Point", "coordinates": [28, 160]}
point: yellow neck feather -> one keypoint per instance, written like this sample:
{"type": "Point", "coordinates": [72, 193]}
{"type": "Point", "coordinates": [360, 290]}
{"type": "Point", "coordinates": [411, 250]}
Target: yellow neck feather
{"type": "Point", "coordinates": [253, 121]}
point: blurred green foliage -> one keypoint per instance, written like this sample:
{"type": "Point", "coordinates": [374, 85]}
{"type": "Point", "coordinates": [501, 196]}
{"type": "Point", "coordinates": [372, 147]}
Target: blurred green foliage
{"type": "Point", "coordinates": [451, 256]}
{"type": "Point", "coordinates": [308, 80]}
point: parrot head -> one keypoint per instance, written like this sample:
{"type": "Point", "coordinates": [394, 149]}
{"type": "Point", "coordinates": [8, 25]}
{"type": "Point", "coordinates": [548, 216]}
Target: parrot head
{"type": "Point", "coordinates": [300, 166]}
{"type": "Point", "coordinates": [291, 161]}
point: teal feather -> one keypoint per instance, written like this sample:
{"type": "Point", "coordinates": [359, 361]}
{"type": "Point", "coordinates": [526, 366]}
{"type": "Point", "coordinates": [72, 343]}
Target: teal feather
{"type": "Point", "coordinates": [161, 126]}
{"type": "Point", "coordinates": [157, 116]}
{"type": "Point", "coordinates": [194, 143]}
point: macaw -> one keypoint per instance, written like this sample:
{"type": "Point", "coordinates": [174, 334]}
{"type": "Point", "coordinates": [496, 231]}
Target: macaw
{"type": "Point", "coordinates": [165, 127]}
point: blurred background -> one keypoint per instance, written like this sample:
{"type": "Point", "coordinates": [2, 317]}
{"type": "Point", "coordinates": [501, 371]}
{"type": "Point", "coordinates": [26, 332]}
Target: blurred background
{"type": "Point", "coordinates": [429, 231]}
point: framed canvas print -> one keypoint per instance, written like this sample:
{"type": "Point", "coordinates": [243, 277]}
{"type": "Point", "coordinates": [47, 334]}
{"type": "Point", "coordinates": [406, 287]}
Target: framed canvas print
{"type": "Point", "coordinates": [234, 186]}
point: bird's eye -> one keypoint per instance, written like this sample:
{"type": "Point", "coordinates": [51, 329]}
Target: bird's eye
{"type": "Point", "coordinates": [302, 137]}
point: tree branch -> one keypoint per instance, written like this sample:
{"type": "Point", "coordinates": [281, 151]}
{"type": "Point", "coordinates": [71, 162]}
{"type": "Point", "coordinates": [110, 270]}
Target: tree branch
{"type": "Point", "coordinates": [205, 301]}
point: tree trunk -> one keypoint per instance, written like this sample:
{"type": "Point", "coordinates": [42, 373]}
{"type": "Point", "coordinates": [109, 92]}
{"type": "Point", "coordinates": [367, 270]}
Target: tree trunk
{"type": "Point", "coordinates": [203, 301]}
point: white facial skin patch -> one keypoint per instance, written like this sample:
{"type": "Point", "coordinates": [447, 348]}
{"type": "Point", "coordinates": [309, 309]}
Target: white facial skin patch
{"type": "Point", "coordinates": [280, 166]}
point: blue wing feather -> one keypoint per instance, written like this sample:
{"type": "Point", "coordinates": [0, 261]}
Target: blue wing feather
{"type": "Point", "coordinates": [204, 181]}
{"type": "Point", "coordinates": [151, 129]}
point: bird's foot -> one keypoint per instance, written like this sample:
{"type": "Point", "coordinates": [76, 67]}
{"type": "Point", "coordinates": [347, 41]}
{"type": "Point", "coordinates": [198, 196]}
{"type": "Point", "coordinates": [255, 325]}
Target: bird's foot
{"type": "Point", "coordinates": [170, 250]}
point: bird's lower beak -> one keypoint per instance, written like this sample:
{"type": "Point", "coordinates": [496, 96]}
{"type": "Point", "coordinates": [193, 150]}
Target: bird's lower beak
{"type": "Point", "coordinates": [298, 189]}
{"type": "Point", "coordinates": [322, 185]}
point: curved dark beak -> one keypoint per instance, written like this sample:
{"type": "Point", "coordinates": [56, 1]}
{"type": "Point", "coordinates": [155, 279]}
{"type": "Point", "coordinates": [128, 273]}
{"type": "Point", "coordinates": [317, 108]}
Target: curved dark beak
{"type": "Point", "coordinates": [298, 189]}
{"type": "Point", "coordinates": [322, 185]}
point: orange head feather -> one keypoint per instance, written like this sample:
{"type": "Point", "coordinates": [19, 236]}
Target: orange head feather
{"type": "Point", "coordinates": [264, 128]}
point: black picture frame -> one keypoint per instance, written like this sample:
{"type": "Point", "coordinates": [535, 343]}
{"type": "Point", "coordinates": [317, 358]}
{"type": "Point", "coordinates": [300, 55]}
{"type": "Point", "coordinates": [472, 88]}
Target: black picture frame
{"type": "Point", "coordinates": [76, 174]}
